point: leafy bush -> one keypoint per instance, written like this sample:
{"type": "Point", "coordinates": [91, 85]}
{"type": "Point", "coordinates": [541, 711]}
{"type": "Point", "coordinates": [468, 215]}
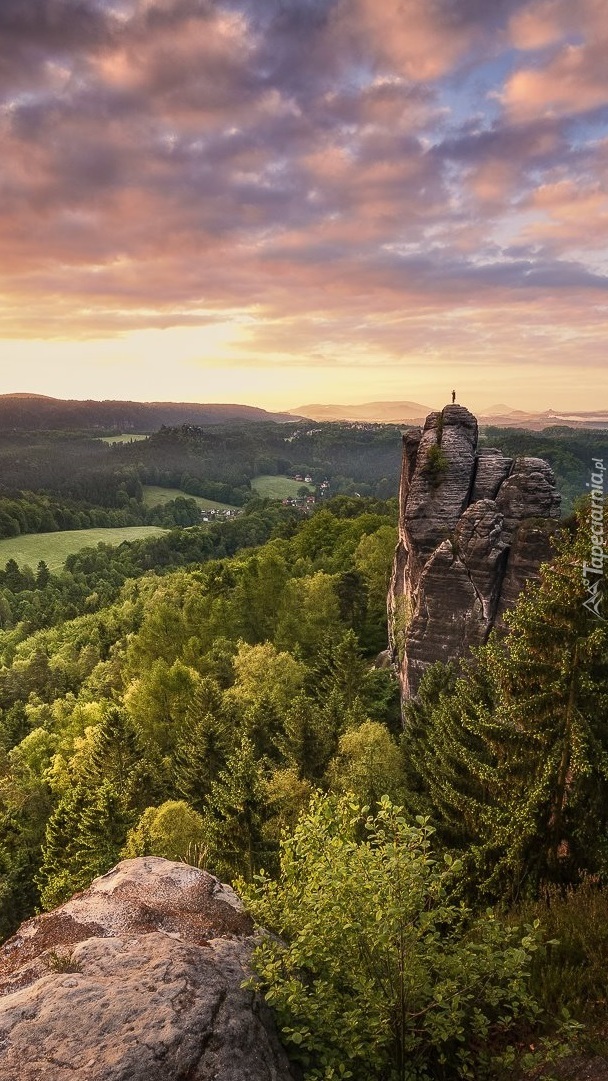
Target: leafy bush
{"type": "Point", "coordinates": [379, 973]}
{"type": "Point", "coordinates": [174, 831]}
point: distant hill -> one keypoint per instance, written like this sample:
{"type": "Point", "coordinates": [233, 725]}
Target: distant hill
{"type": "Point", "coordinates": [503, 416]}
{"type": "Point", "coordinates": [550, 418]}
{"type": "Point", "coordinates": [498, 410]}
{"type": "Point", "coordinates": [37, 412]}
{"type": "Point", "coordinates": [382, 412]}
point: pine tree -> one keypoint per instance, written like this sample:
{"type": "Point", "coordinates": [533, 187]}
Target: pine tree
{"type": "Point", "coordinates": [101, 833]}
{"type": "Point", "coordinates": [83, 839]}
{"type": "Point", "coordinates": [13, 578]}
{"type": "Point", "coordinates": [512, 762]}
{"type": "Point", "coordinates": [263, 723]}
{"type": "Point", "coordinates": [552, 683]}
{"type": "Point", "coordinates": [351, 591]}
{"type": "Point", "coordinates": [308, 742]}
{"type": "Point", "coordinates": [117, 756]}
{"type": "Point", "coordinates": [444, 750]}
{"type": "Point", "coordinates": [43, 575]}
{"type": "Point", "coordinates": [59, 874]}
{"type": "Point", "coordinates": [200, 756]}
{"type": "Point", "coordinates": [88, 827]}
{"type": "Point", "coordinates": [339, 670]}
{"type": "Point", "coordinates": [19, 864]}
{"type": "Point", "coordinates": [234, 816]}
{"type": "Point", "coordinates": [207, 698]}
{"type": "Point", "coordinates": [6, 614]}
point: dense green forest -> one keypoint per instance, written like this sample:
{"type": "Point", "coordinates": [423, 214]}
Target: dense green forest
{"type": "Point", "coordinates": [34, 512]}
{"type": "Point", "coordinates": [212, 694]}
{"type": "Point", "coordinates": [216, 462]}
{"type": "Point", "coordinates": [38, 412]}
{"type": "Point", "coordinates": [243, 671]}
{"type": "Point", "coordinates": [69, 480]}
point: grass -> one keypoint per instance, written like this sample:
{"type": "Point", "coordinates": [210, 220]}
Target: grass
{"type": "Point", "coordinates": [153, 495]}
{"type": "Point", "coordinates": [275, 487]}
{"type": "Point", "coordinates": [126, 437]}
{"type": "Point", "coordinates": [54, 548]}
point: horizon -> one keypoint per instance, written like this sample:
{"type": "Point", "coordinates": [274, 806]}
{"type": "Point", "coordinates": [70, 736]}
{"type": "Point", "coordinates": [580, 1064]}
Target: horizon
{"type": "Point", "coordinates": [285, 202]}
{"type": "Point", "coordinates": [492, 410]}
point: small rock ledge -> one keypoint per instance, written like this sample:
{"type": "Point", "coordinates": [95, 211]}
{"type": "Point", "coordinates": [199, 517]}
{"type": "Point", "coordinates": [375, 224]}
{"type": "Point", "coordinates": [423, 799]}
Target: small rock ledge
{"type": "Point", "coordinates": [474, 526]}
{"type": "Point", "coordinates": [137, 978]}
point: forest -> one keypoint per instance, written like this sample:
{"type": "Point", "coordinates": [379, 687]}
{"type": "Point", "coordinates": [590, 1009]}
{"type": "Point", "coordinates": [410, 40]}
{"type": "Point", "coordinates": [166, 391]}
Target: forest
{"type": "Point", "coordinates": [55, 480]}
{"type": "Point", "coordinates": [221, 694]}
{"type": "Point", "coordinates": [247, 667]}
{"type": "Point", "coordinates": [216, 462]}
{"type": "Point", "coordinates": [38, 412]}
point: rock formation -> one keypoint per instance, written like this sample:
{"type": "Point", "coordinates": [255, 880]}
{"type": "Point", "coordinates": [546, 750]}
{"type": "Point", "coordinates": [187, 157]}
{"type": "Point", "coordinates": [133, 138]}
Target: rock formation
{"type": "Point", "coordinates": [473, 527]}
{"type": "Point", "coordinates": [137, 979]}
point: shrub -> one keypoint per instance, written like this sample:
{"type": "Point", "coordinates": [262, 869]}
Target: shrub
{"type": "Point", "coordinates": [174, 831]}
{"type": "Point", "coordinates": [572, 973]}
{"type": "Point", "coordinates": [436, 464]}
{"type": "Point", "coordinates": [379, 973]}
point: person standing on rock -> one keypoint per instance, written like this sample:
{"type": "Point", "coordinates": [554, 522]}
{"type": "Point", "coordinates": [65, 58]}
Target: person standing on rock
{"type": "Point", "coordinates": [453, 396]}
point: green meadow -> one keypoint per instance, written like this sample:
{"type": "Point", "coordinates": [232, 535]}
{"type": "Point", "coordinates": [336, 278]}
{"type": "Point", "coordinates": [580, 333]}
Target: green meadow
{"type": "Point", "coordinates": [54, 548]}
{"type": "Point", "coordinates": [126, 437]}
{"type": "Point", "coordinates": [276, 487]}
{"type": "Point", "coordinates": [153, 495]}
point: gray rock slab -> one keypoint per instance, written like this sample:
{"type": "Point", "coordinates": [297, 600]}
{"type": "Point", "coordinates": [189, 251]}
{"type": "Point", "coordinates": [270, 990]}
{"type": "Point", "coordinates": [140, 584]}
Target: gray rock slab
{"type": "Point", "coordinates": [138, 978]}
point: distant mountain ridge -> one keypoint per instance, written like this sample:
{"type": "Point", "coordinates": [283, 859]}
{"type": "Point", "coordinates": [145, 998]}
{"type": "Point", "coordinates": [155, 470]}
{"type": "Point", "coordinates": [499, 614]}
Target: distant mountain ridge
{"type": "Point", "coordinates": [27, 411]}
{"type": "Point", "coordinates": [413, 413]}
{"type": "Point", "coordinates": [36, 411]}
{"type": "Point", "coordinates": [382, 412]}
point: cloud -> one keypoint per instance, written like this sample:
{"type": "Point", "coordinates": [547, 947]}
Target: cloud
{"type": "Point", "coordinates": [566, 75]}
{"type": "Point", "coordinates": [568, 216]}
{"type": "Point", "coordinates": [541, 23]}
{"type": "Point", "coordinates": [347, 178]}
{"type": "Point", "coordinates": [574, 82]}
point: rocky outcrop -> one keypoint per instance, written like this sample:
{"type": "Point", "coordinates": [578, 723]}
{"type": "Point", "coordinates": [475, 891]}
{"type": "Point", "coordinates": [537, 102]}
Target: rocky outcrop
{"type": "Point", "coordinates": [137, 979]}
{"type": "Point", "coordinates": [474, 526]}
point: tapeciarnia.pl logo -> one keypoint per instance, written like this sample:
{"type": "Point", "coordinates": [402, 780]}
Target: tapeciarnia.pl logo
{"type": "Point", "coordinates": [593, 572]}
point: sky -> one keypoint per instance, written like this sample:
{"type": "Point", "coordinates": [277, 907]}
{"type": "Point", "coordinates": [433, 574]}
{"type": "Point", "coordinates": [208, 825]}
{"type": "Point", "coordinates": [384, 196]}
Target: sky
{"type": "Point", "coordinates": [281, 202]}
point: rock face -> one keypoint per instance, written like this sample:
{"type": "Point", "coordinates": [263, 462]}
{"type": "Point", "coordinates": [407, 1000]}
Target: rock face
{"type": "Point", "coordinates": [473, 527]}
{"type": "Point", "coordinates": [137, 979]}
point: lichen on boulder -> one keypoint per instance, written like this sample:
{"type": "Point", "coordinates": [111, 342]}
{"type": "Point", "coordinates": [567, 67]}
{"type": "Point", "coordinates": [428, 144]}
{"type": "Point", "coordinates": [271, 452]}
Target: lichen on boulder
{"type": "Point", "coordinates": [138, 978]}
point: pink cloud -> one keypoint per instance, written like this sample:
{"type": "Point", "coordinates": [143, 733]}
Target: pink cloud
{"type": "Point", "coordinates": [537, 25]}
{"type": "Point", "coordinates": [575, 81]}
{"type": "Point", "coordinates": [310, 167]}
{"type": "Point", "coordinates": [408, 37]}
{"type": "Point", "coordinates": [542, 23]}
{"type": "Point", "coordinates": [569, 216]}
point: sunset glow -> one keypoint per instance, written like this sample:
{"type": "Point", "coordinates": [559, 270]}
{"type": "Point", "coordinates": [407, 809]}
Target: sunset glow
{"type": "Point", "coordinates": [323, 200]}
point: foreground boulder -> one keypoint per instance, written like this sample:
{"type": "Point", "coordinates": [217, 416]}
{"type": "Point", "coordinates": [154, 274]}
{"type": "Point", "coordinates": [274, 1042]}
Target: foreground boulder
{"type": "Point", "coordinates": [474, 526]}
{"type": "Point", "coordinates": [137, 979]}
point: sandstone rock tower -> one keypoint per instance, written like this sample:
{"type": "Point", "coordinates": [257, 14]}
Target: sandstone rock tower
{"type": "Point", "coordinates": [473, 527]}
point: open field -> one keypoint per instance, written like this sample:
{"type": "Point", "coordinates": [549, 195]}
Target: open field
{"type": "Point", "coordinates": [126, 437]}
{"type": "Point", "coordinates": [153, 495]}
{"type": "Point", "coordinates": [275, 487]}
{"type": "Point", "coordinates": [54, 548]}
